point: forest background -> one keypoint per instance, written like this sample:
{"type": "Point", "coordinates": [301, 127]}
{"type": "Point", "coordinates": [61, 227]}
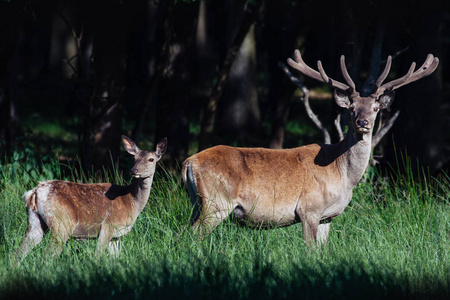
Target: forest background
{"type": "Point", "coordinates": [76, 75]}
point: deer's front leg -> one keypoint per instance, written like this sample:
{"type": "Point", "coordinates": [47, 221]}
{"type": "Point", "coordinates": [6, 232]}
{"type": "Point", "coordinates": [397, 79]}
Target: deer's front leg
{"type": "Point", "coordinates": [114, 247]}
{"type": "Point", "coordinates": [310, 222]}
{"type": "Point", "coordinates": [105, 236]}
{"type": "Point", "coordinates": [322, 233]}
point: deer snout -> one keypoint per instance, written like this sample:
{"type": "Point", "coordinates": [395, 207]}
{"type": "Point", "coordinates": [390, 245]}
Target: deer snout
{"type": "Point", "coordinates": [362, 125]}
{"type": "Point", "coordinates": [134, 172]}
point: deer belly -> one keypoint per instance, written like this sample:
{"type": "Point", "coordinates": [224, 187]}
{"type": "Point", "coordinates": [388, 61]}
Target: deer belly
{"type": "Point", "coordinates": [265, 216]}
{"type": "Point", "coordinates": [122, 230]}
{"type": "Point", "coordinates": [86, 231]}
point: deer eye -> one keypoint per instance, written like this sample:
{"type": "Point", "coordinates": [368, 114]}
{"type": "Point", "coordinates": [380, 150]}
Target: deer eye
{"type": "Point", "coordinates": [151, 159]}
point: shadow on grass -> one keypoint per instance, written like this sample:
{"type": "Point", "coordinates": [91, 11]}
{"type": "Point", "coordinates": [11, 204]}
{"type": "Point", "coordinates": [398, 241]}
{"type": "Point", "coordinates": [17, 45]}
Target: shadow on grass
{"type": "Point", "coordinates": [217, 282]}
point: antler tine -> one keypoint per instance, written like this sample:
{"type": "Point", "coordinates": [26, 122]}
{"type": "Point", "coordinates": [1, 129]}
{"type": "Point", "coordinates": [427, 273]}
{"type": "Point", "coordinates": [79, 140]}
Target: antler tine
{"type": "Point", "coordinates": [347, 77]}
{"type": "Point", "coordinates": [300, 65]}
{"type": "Point", "coordinates": [331, 82]}
{"type": "Point", "coordinates": [385, 73]}
{"type": "Point", "coordinates": [397, 82]}
{"type": "Point", "coordinates": [426, 69]}
{"type": "Point", "coordinates": [324, 75]}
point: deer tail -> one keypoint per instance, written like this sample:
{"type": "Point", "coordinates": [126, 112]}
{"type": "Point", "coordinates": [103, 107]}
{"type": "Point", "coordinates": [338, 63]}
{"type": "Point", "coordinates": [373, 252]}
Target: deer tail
{"type": "Point", "coordinates": [189, 181]}
{"type": "Point", "coordinates": [30, 199]}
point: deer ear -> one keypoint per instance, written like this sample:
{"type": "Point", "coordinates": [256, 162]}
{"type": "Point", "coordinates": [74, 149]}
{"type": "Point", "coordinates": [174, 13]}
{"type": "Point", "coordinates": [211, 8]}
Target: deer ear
{"type": "Point", "coordinates": [342, 99]}
{"type": "Point", "coordinates": [130, 146]}
{"type": "Point", "coordinates": [161, 147]}
{"type": "Point", "coordinates": [386, 99]}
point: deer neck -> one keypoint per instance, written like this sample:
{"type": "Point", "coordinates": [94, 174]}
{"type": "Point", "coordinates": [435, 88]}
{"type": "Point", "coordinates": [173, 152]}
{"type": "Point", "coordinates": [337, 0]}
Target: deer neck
{"type": "Point", "coordinates": [356, 149]}
{"type": "Point", "coordinates": [141, 191]}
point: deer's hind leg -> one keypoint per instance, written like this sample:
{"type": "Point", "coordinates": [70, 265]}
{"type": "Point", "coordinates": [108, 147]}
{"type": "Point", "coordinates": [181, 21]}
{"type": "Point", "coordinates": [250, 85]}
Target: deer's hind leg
{"type": "Point", "coordinates": [33, 236]}
{"type": "Point", "coordinates": [210, 215]}
{"type": "Point", "coordinates": [210, 202]}
{"type": "Point", "coordinates": [60, 231]}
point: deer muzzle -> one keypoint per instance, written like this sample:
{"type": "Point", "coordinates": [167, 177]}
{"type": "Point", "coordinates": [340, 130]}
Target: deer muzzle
{"type": "Point", "coordinates": [362, 126]}
{"type": "Point", "coordinates": [134, 173]}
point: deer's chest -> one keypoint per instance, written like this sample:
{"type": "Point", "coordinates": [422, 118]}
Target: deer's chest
{"type": "Point", "coordinates": [336, 204]}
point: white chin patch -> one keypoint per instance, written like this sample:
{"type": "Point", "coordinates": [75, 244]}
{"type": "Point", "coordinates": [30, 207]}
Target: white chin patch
{"type": "Point", "coordinates": [363, 130]}
{"type": "Point", "coordinates": [137, 176]}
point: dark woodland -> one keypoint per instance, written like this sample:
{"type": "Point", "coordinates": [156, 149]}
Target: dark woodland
{"type": "Point", "coordinates": [203, 73]}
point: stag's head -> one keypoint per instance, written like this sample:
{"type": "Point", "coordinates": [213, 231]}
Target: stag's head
{"type": "Point", "coordinates": [364, 110]}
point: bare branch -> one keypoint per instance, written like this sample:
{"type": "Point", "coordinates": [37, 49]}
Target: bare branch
{"type": "Point", "coordinates": [305, 100]}
{"type": "Point", "coordinates": [69, 63]}
{"type": "Point", "coordinates": [384, 129]}
{"type": "Point", "coordinates": [337, 124]}
{"type": "Point", "coordinates": [77, 38]}
{"type": "Point", "coordinates": [394, 56]}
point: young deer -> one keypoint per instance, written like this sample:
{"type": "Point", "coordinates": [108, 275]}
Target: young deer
{"type": "Point", "coordinates": [103, 210]}
{"type": "Point", "coordinates": [311, 184]}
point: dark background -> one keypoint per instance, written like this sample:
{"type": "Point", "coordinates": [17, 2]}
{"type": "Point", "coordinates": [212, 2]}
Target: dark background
{"type": "Point", "coordinates": [76, 75]}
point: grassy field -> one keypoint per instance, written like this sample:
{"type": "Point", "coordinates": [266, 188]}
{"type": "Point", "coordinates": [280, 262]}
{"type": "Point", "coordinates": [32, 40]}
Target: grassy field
{"type": "Point", "coordinates": [393, 241]}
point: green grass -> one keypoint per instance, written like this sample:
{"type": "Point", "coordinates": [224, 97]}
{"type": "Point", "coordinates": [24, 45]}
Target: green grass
{"type": "Point", "coordinates": [393, 241]}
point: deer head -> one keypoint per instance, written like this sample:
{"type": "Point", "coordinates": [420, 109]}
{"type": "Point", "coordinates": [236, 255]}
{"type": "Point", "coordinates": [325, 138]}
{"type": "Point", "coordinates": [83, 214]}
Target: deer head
{"type": "Point", "coordinates": [364, 109]}
{"type": "Point", "coordinates": [145, 161]}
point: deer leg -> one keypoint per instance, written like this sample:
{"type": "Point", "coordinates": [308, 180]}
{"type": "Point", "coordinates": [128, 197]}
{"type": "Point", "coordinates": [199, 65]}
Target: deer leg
{"type": "Point", "coordinates": [322, 233]}
{"type": "Point", "coordinates": [61, 228]}
{"type": "Point", "coordinates": [59, 238]}
{"type": "Point", "coordinates": [210, 217]}
{"type": "Point", "coordinates": [310, 224]}
{"type": "Point", "coordinates": [33, 236]}
{"type": "Point", "coordinates": [104, 239]}
{"type": "Point", "coordinates": [113, 248]}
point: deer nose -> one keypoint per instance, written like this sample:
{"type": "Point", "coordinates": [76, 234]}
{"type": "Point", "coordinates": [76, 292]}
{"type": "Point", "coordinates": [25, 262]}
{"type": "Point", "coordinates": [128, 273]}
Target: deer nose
{"type": "Point", "coordinates": [133, 171]}
{"type": "Point", "coordinates": [362, 123]}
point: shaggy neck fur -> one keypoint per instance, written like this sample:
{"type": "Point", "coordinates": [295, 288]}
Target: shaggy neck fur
{"type": "Point", "coordinates": [354, 161]}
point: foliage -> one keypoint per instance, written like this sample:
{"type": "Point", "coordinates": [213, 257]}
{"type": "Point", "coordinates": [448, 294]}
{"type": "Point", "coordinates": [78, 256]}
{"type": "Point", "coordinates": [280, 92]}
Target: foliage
{"type": "Point", "coordinates": [391, 242]}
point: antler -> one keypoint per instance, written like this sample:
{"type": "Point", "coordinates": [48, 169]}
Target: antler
{"type": "Point", "coordinates": [300, 65]}
{"type": "Point", "coordinates": [426, 69]}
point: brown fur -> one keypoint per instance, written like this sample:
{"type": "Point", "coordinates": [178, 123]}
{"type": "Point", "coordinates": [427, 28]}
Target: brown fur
{"type": "Point", "coordinates": [87, 207]}
{"type": "Point", "coordinates": [311, 184]}
{"type": "Point", "coordinates": [103, 210]}
{"type": "Point", "coordinates": [267, 187]}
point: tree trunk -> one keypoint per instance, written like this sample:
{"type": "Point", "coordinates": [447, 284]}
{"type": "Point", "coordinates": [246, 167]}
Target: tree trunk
{"type": "Point", "coordinates": [103, 114]}
{"type": "Point", "coordinates": [239, 114]}
{"type": "Point", "coordinates": [172, 118]}
{"type": "Point", "coordinates": [281, 115]}
{"type": "Point", "coordinates": [9, 28]}
{"type": "Point", "coordinates": [280, 37]}
{"type": "Point", "coordinates": [156, 37]}
{"type": "Point", "coordinates": [251, 12]}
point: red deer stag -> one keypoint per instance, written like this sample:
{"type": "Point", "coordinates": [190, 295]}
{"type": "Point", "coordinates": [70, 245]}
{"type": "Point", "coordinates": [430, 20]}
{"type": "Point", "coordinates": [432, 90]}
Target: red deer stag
{"type": "Point", "coordinates": [311, 184]}
{"type": "Point", "coordinates": [101, 210]}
